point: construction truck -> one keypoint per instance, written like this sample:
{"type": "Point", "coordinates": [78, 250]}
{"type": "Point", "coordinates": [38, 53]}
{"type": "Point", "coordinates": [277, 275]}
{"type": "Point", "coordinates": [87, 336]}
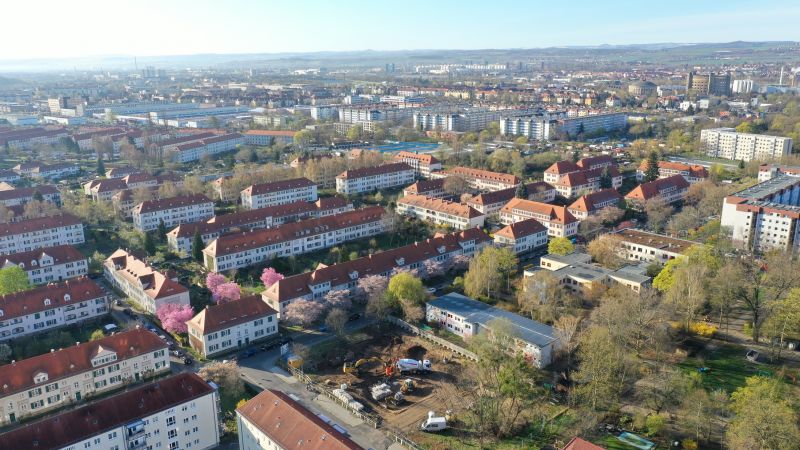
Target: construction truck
{"type": "Point", "coordinates": [413, 366]}
{"type": "Point", "coordinates": [355, 368]}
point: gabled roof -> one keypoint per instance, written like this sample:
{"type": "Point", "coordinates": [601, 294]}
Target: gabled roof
{"type": "Point", "coordinates": [439, 205]}
{"type": "Point", "coordinates": [521, 229]}
{"type": "Point", "coordinates": [154, 284]}
{"type": "Point", "coordinates": [690, 169]}
{"type": "Point", "coordinates": [61, 254]}
{"type": "Point", "coordinates": [557, 214]}
{"type": "Point", "coordinates": [577, 443]}
{"type": "Point", "coordinates": [504, 195]}
{"type": "Point", "coordinates": [376, 170]}
{"type": "Point", "coordinates": [421, 157]}
{"type": "Point", "coordinates": [149, 206]}
{"type": "Point", "coordinates": [277, 186]}
{"type": "Point", "coordinates": [652, 189]}
{"type": "Point", "coordinates": [587, 203]}
{"type": "Point", "coordinates": [13, 194]}
{"type": "Point", "coordinates": [39, 224]}
{"type": "Point", "coordinates": [225, 315]}
{"type": "Point", "coordinates": [480, 174]}
{"type": "Point", "coordinates": [422, 187]}
{"type": "Point", "coordinates": [49, 296]}
{"type": "Point", "coordinates": [562, 167]}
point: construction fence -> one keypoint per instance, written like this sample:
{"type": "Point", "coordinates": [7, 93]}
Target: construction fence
{"type": "Point", "coordinates": [428, 336]}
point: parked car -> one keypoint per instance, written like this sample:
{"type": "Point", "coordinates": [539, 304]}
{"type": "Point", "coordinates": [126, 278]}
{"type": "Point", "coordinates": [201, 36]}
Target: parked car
{"type": "Point", "coordinates": [110, 328]}
{"type": "Point", "coordinates": [128, 312]}
{"type": "Point", "coordinates": [179, 352]}
{"type": "Point", "coordinates": [353, 317]}
{"type": "Point", "coordinates": [247, 353]}
{"type": "Point", "coordinates": [188, 361]}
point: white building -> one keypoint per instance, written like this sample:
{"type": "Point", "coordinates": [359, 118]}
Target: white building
{"type": "Point", "coordinates": [692, 173]}
{"type": "Point", "coordinates": [536, 128]}
{"type": "Point", "coordinates": [742, 86]}
{"type": "Point", "coordinates": [278, 193]}
{"type": "Point", "coordinates": [369, 179]}
{"type": "Point", "coordinates": [194, 151]}
{"type": "Point", "coordinates": [176, 413]}
{"type": "Point", "coordinates": [490, 203]}
{"type": "Point", "coordinates": [638, 245]}
{"type": "Point", "coordinates": [576, 274]}
{"type": "Point", "coordinates": [141, 283]}
{"type": "Point", "coordinates": [32, 234]}
{"type": "Point", "coordinates": [590, 204]}
{"type": "Point", "coordinates": [558, 220]}
{"type": "Point", "coordinates": [592, 124]}
{"type": "Point", "coordinates": [769, 171]}
{"type": "Point", "coordinates": [172, 211]}
{"type": "Point", "coordinates": [51, 306]}
{"type": "Point", "coordinates": [231, 325]}
{"type": "Point", "coordinates": [481, 180]}
{"type": "Point", "coordinates": [728, 144]}
{"type": "Point", "coordinates": [522, 237]}
{"type": "Point", "coordinates": [40, 384]}
{"type": "Point", "coordinates": [20, 196]}
{"type": "Point", "coordinates": [49, 264]}
{"type": "Point", "coordinates": [440, 212]}
{"type": "Point", "coordinates": [422, 163]}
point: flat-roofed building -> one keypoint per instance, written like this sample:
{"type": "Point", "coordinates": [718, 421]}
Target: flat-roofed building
{"type": "Point", "coordinates": [728, 144]}
{"type": "Point", "coordinates": [768, 171]}
{"type": "Point", "coordinates": [32, 234]}
{"type": "Point", "coordinates": [522, 237]}
{"type": "Point", "coordinates": [231, 325]}
{"type": "Point", "coordinates": [370, 179]}
{"type": "Point", "coordinates": [638, 245]}
{"type": "Point", "coordinates": [558, 220]}
{"type": "Point", "coordinates": [440, 212]}
{"type": "Point", "coordinates": [49, 264]}
{"type": "Point", "coordinates": [171, 211]}
{"type": "Point", "coordinates": [278, 193]}
{"type": "Point", "coordinates": [143, 284]}
{"type": "Point", "coordinates": [576, 273]}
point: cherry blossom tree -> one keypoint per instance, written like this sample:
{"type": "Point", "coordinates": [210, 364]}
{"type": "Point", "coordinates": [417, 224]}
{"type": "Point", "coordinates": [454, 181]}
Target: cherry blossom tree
{"type": "Point", "coordinates": [226, 292]}
{"type": "Point", "coordinates": [338, 298]}
{"type": "Point", "coordinates": [399, 270]}
{"type": "Point", "coordinates": [270, 276]}
{"type": "Point", "coordinates": [460, 262]}
{"type": "Point", "coordinates": [213, 280]}
{"type": "Point", "coordinates": [372, 286]}
{"type": "Point", "coordinates": [433, 268]}
{"type": "Point", "coordinates": [173, 316]}
{"type": "Point", "coordinates": [304, 312]}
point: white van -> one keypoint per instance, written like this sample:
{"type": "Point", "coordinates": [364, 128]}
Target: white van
{"type": "Point", "coordinates": [433, 424]}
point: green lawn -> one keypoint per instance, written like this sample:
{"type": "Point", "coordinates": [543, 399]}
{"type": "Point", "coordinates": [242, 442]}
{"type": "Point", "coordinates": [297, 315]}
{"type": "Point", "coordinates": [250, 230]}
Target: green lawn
{"type": "Point", "coordinates": [728, 367]}
{"type": "Point", "coordinates": [612, 443]}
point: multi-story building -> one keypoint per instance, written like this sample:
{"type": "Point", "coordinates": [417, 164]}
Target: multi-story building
{"type": "Point", "coordinates": [440, 212]}
{"type": "Point", "coordinates": [728, 144]}
{"type": "Point", "coordinates": [359, 114]}
{"type": "Point", "coordinates": [196, 150]}
{"type": "Point", "coordinates": [125, 200]}
{"type": "Point", "coordinates": [369, 179]}
{"type": "Point", "coordinates": [557, 170]}
{"type": "Point", "coordinates": [229, 326]}
{"type": "Point", "coordinates": [172, 211]}
{"type": "Point", "coordinates": [428, 188]}
{"type": "Point", "coordinates": [769, 171]}
{"type": "Point", "coordinates": [590, 204]}
{"type": "Point", "coordinates": [106, 189]}
{"type": "Point", "coordinates": [20, 196]}
{"type": "Point", "coordinates": [268, 137]}
{"type": "Point", "coordinates": [31, 234]}
{"type": "Point", "coordinates": [708, 84]}
{"type": "Point", "coordinates": [638, 245]}
{"type": "Point", "coordinates": [179, 412]}
{"type": "Point", "coordinates": [466, 318]}
{"type": "Point", "coordinates": [481, 180]}
{"type": "Point", "coordinates": [256, 421]}
{"type": "Point", "coordinates": [51, 306]}
{"type": "Point", "coordinates": [576, 273]}
{"type": "Point", "coordinates": [147, 287]}
{"type": "Point", "coordinates": [470, 119]}
{"type": "Point", "coordinates": [40, 384]}
{"type": "Point", "coordinates": [535, 127]}
{"type": "Point", "coordinates": [558, 220]}
{"type": "Point", "coordinates": [314, 285]}
{"type": "Point", "coordinates": [584, 177]}
{"type": "Point", "coordinates": [522, 236]}
{"type": "Point", "coordinates": [670, 189]}
{"type": "Point", "coordinates": [180, 238]}
{"type": "Point", "coordinates": [9, 176]}
{"type": "Point", "coordinates": [423, 164]}
{"type": "Point", "coordinates": [765, 216]}
{"type": "Point", "coordinates": [26, 138]}
{"type": "Point", "coordinates": [50, 264]}
{"type": "Point", "coordinates": [692, 173]}
{"type": "Point", "coordinates": [234, 251]}
{"type": "Point", "coordinates": [490, 203]}
{"type": "Point", "coordinates": [47, 171]}
{"type": "Point", "coordinates": [591, 124]}
{"type": "Point", "coordinates": [278, 193]}
{"type": "Point", "coordinates": [170, 145]}
{"type": "Point", "coordinates": [742, 86]}
{"type": "Point", "coordinates": [121, 171]}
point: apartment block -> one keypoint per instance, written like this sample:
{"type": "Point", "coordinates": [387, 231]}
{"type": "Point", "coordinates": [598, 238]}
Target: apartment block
{"type": "Point", "coordinates": [590, 204]}
{"type": "Point", "coordinates": [557, 219]}
{"type": "Point", "coordinates": [234, 251]}
{"type": "Point", "coordinates": [490, 203]}
{"type": "Point", "coordinates": [51, 306]}
{"type": "Point", "coordinates": [28, 137]}
{"type": "Point", "coordinates": [584, 177]}
{"type": "Point", "coordinates": [728, 144]}
{"type": "Point", "coordinates": [279, 193]}
{"type": "Point", "coordinates": [639, 245]}
{"type": "Point", "coordinates": [268, 137]}
{"type": "Point", "coordinates": [105, 189]}
{"type": "Point", "coordinates": [592, 124]}
{"type": "Point", "coordinates": [232, 325]}
{"type": "Point", "coordinates": [423, 164]}
{"type": "Point", "coordinates": [370, 179]}
{"type": "Point", "coordinates": [47, 171]}
{"type": "Point", "coordinates": [522, 237]}
{"type": "Point", "coordinates": [481, 180]}
{"type": "Point", "coordinates": [171, 211]}
{"type": "Point", "coordinates": [142, 283]}
{"type": "Point", "coordinates": [440, 212]}
{"type": "Point", "coordinates": [50, 264]}
{"type": "Point", "coordinates": [53, 380]}
{"type": "Point", "coordinates": [691, 172]}
{"type": "Point", "coordinates": [196, 150]}
{"type": "Point", "coordinates": [537, 127]}
{"type": "Point", "coordinates": [20, 196]}
{"type": "Point", "coordinates": [670, 189]}
{"type": "Point", "coordinates": [31, 234]}
{"type": "Point", "coordinates": [428, 188]}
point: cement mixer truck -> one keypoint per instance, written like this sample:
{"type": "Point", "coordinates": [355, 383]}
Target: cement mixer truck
{"type": "Point", "coordinates": [405, 366]}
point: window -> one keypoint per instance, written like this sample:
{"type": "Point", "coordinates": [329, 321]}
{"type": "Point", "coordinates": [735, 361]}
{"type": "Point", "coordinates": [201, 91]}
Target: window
{"type": "Point", "coordinates": [170, 421]}
{"type": "Point", "coordinates": [172, 434]}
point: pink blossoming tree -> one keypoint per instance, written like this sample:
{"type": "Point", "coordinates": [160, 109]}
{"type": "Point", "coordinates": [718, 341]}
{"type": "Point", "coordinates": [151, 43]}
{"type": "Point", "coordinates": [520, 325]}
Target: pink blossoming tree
{"type": "Point", "coordinates": [338, 298]}
{"type": "Point", "coordinates": [213, 280]}
{"type": "Point", "coordinates": [173, 316]}
{"type": "Point", "coordinates": [227, 292]}
{"type": "Point", "coordinates": [270, 276]}
{"type": "Point", "coordinates": [304, 312]}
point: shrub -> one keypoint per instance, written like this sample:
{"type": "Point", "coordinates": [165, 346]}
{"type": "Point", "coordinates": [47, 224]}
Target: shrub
{"type": "Point", "coordinates": [703, 329]}
{"type": "Point", "coordinates": [689, 444]}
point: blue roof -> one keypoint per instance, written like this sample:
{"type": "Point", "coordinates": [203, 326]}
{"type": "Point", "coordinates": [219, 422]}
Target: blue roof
{"type": "Point", "coordinates": [474, 311]}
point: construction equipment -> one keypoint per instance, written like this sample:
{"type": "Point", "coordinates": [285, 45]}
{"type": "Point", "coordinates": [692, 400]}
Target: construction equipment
{"type": "Point", "coordinates": [380, 391]}
{"type": "Point", "coordinates": [354, 368]}
{"type": "Point", "coordinates": [413, 366]}
{"type": "Point", "coordinates": [407, 385]}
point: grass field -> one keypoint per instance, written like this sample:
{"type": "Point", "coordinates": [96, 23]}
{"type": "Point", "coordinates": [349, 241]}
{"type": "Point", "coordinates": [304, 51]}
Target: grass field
{"type": "Point", "coordinates": [728, 367]}
{"type": "Point", "coordinates": [612, 443]}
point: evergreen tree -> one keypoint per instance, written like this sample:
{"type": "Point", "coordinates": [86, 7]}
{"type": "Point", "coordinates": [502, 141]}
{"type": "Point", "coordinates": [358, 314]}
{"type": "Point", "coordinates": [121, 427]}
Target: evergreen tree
{"type": "Point", "coordinates": [651, 174]}
{"type": "Point", "coordinates": [38, 196]}
{"type": "Point", "coordinates": [101, 168]}
{"type": "Point", "coordinates": [741, 164]}
{"type": "Point", "coordinates": [162, 231]}
{"type": "Point", "coordinates": [606, 182]}
{"type": "Point", "coordinates": [149, 244]}
{"type": "Point", "coordinates": [576, 156]}
{"type": "Point", "coordinates": [522, 191]}
{"type": "Point", "coordinates": [197, 247]}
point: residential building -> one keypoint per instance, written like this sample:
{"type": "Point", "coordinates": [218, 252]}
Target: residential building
{"type": "Point", "coordinates": [171, 211]}
{"type": "Point", "coordinates": [708, 84]}
{"type": "Point", "coordinates": [428, 188]}
{"type": "Point", "coordinates": [278, 193]}
{"type": "Point", "coordinates": [639, 245]}
{"type": "Point", "coordinates": [229, 326]}
{"type": "Point", "coordinates": [440, 212]}
{"type": "Point", "coordinates": [481, 180]}
{"type": "Point", "coordinates": [121, 171]}
{"type": "Point", "coordinates": [9, 176]}
{"type": "Point", "coordinates": [20, 196]}
{"type": "Point", "coordinates": [47, 171]}
{"type": "Point", "coordinates": [51, 306]}
{"type": "Point", "coordinates": [179, 412]}
{"type": "Point", "coordinates": [768, 171]}
{"type": "Point", "coordinates": [256, 421]}
{"type": "Point", "coordinates": [592, 124]}
{"type": "Point", "coordinates": [584, 177]}
{"type": "Point", "coordinates": [558, 220]}
{"type": "Point", "coordinates": [234, 251]}
{"type": "Point", "coordinates": [196, 150]}
{"type": "Point", "coordinates": [670, 189]}
{"type": "Point", "coordinates": [535, 127]}
{"type": "Point", "coordinates": [462, 120]}
{"type": "Point", "coordinates": [50, 264]}
{"type": "Point", "coordinates": [370, 179]}
{"type": "Point", "coordinates": [314, 285]}
{"type": "Point", "coordinates": [577, 443]}
{"type": "Point", "coordinates": [522, 237]}
{"type": "Point", "coordinates": [728, 144]}
{"type": "Point", "coordinates": [364, 114]}
{"type": "Point", "coordinates": [31, 234]}
{"type": "Point", "coordinates": [53, 380]}
{"type": "Point", "coordinates": [180, 238]}
{"type": "Point", "coordinates": [557, 170]}
{"type": "Point", "coordinates": [140, 282]}
{"type": "Point", "coordinates": [576, 273]}
{"type": "Point", "coordinates": [490, 203]}
{"type": "Point", "coordinates": [691, 172]}
{"type": "Point", "coordinates": [28, 137]}
{"type": "Point", "coordinates": [423, 164]}
{"type": "Point", "coordinates": [590, 204]}
{"type": "Point", "coordinates": [106, 189]}
{"type": "Point", "coordinates": [268, 137]}
{"type": "Point", "coordinates": [466, 318]}
{"type": "Point", "coordinates": [168, 146]}
{"type": "Point", "coordinates": [125, 200]}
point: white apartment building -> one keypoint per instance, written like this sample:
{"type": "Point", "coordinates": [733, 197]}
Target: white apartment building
{"type": "Point", "coordinates": [374, 113]}
{"type": "Point", "coordinates": [51, 306]}
{"type": "Point", "coordinates": [557, 219]}
{"type": "Point", "coordinates": [40, 384]}
{"type": "Point", "coordinates": [369, 179]}
{"type": "Point", "coordinates": [26, 138]}
{"type": "Point", "coordinates": [481, 180]}
{"type": "Point", "coordinates": [522, 237]}
{"type": "Point", "coordinates": [176, 413]}
{"type": "Point", "coordinates": [256, 421]}
{"type": "Point", "coordinates": [172, 211]}
{"type": "Point", "coordinates": [536, 128]}
{"type": "Point", "coordinates": [141, 283]}
{"type": "Point", "coordinates": [194, 151]}
{"type": "Point", "coordinates": [32, 234]}
{"type": "Point", "coordinates": [728, 144]}
{"type": "Point", "coordinates": [49, 264]}
{"type": "Point", "coordinates": [638, 245]}
{"type": "Point", "coordinates": [440, 212]}
{"type": "Point", "coordinates": [423, 164]}
{"type": "Point", "coordinates": [592, 124]}
{"type": "Point", "coordinates": [20, 196]}
{"type": "Point", "coordinates": [234, 251]}
{"type": "Point", "coordinates": [279, 193]}
{"type": "Point", "coordinates": [232, 325]}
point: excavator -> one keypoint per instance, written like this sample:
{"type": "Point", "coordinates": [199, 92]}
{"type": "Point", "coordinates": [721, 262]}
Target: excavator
{"type": "Point", "coordinates": [355, 368]}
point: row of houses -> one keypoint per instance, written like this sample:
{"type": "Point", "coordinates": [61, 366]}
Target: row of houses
{"type": "Point", "coordinates": [105, 189]}
{"type": "Point", "coordinates": [10, 196]}
{"type": "Point", "coordinates": [51, 264]}
{"type": "Point", "coordinates": [149, 214]}
{"type": "Point", "coordinates": [32, 234]}
{"type": "Point", "coordinates": [37, 170]}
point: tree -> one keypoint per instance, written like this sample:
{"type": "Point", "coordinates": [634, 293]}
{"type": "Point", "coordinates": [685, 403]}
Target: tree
{"type": "Point", "coordinates": [96, 334]}
{"type": "Point", "coordinates": [213, 280]}
{"type": "Point", "coordinates": [606, 249]}
{"type": "Point", "coordinates": [489, 271]}
{"type": "Point", "coordinates": [456, 185]}
{"type": "Point", "coordinates": [405, 287]}
{"type": "Point", "coordinates": [606, 181]}
{"type": "Point", "coordinates": [304, 312]}
{"type": "Point", "coordinates": [173, 316]}
{"type": "Point", "coordinates": [270, 276]}
{"type": "Point", "coordinates": [13, 279]}
{"type": "Point", "coordinates": [5, 352]}
{"type": "Point", "coordinates": [651, 173]}
{"type": "Point", "coordinates": [657, 211]}
{"type": "Point", "coordinates": [602, 372]}
{"type": "Point", "coordinates": [687, 293]}
{"type": "Point", "coordinates": [566, 330]}
{"type": "Point", "coordinates": [149, 244]}
{"type": "Point", "coordinates": [560, 246]}
{"type": "Point", "coordinates": [765, 417]}
{"type": "Point", "coordinates": [372, 286]}
{"type": "Point", "coordinates": [197, 246]}
{"type": "Point", "coordinates": [226, 375]}
{"type": "Point", "coordinates": [355, 133]}
{"type": "Point", "coordinates": [101, 167]}
{"type": "Point", "coordinates": [522, 191]}
{"type": "Point", "coordinates": [432, 268]}
{"type": "Point", "coordinates": [696, 413]}
{"type": "Point", "coordinates": [226, 292]}
{"type": "Point", "coordinates": [336, 320]}
{"type": "Point", "coordinates": [161, 231]}
{"type": "Point", "coordinates": [338, 298]}
{"type": "Point", "coordinates": [543, 297]}
{"type": "Point", "coordinates": [746, 127]}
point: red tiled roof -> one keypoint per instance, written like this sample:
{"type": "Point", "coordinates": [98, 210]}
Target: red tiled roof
{"type": "Point", "coordinates": [61, 254]}
{"type": "Point", "coordinates": [586, 203]}
{"type": "Point", "coordinates": [652, 189]}
{"type": "Point", "coordinates": [290, 425]}
{"type": "Point", "coordinates": [425, 186]}
{"type": "Point", "coordinates": [522, 228]}
{"type": "Point", "coordinates": [32, 301]}
{"type": "Point", "coordinates": [481, 174]}
{"type": "Point", "coordinates": [184, 139]}
{"type": "Point", "coordinates": [577, 443]}
{"type": "Point", "coordinates": [225, 315]}
{"type": "Point", "coordinates": [557, 214]}
{"type": "Point", "coordinates": [693, 170]}
{"type": "Point", "coordinates": [562, 167]}
{"type": "Point", "coordinates": [594, 161]}
{"type": "Point", "coordinates": [148, 206]}
{"type": "Point", "coordinates": [154, 284]}
{"type": "Point", "coordinates": [376, 170]}
{"type": "Point", "coordinates": [270, 133]}
{"type": "Point", "coordinates": [42, 223]}
{"type": "Point", "coordinates": [27, 192]}
{"type": "Point", "coordinates": [504, 195]}
{"type": "Point", "coordinates": [277, 186]}
{"type": "Point", "coordinates": [421, 157]}
{"type": "Point", "coordinates": [439, 205]}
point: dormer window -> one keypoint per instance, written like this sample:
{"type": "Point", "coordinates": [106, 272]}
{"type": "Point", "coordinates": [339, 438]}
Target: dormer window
{"type": "Point", "coordinates": [400, 261]}
{"type": "Point", "coordinates": [33, 262]}
{"type": "Point", "coordinates": [354, 275]}
{"type": "Point", "coordinates": [47, 302]}
{"type": "Point", "coordinates": [40, 377]}
{"type": "Point", "coordinates": [441, 249]}
{"type": "Point", "coordinates": [21, 265]}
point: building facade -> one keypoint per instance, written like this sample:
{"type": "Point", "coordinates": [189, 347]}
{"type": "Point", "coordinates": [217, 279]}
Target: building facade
{"type": "Point", "coordinates": [728, 144]}
{"type": "Point", "coordinates": [369, 179]}
{"type": "Point", "coordinates": [33, 234]}
{"type": "Point", "coordinates": [141, 283]}
{"type": "Point", "coordinates": [481, 180]}
{"type": "Point", "coordinates": [423, 164]}
{"type": "Point", "coordinates": [232, 325]}
{"type": "Point", "coordinates": [49, 264]}
{"type": "Point", "coordinates": [522, 237]}
{"type": "Point", "coordinates": [440, 212]}
{"type": "Point", "coordinates": [692, 173]}
{"type": "Point", "coordinates": [490, 203]}
{"type": "Point", "coordinates": [670, 189]}
{"type": "Point", "coordinates": [557, 219]}
{"type": "Point", "coordinates": [149, 214]}
{"type": "Point", "coordinates": [279, 193]}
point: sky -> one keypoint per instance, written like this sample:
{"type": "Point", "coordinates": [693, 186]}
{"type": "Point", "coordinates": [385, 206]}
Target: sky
{"type": "Point", "coordinates": [83, 28]}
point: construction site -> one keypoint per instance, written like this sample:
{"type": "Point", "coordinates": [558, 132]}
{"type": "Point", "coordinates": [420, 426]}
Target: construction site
{"type": "Point", "coordinates": [396, 375]}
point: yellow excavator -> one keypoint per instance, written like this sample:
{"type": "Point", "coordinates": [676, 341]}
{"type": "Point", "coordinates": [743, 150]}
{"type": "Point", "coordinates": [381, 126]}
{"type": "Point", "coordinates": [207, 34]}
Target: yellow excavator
{"type": "Point", "coordinates": [354, 368]}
